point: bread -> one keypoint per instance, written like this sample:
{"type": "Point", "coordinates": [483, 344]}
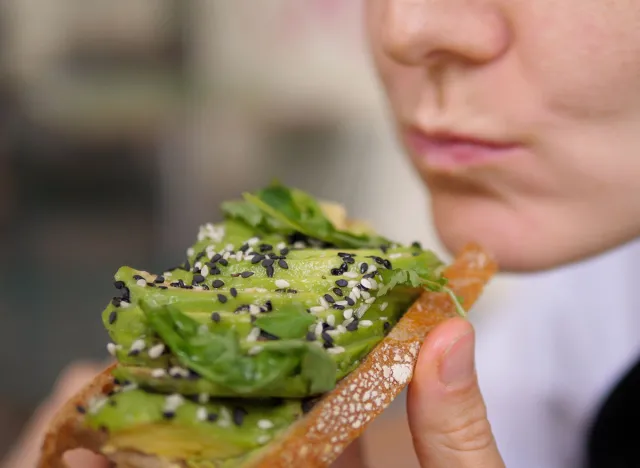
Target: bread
{"type": "Point", "coordinates": [340, 417]}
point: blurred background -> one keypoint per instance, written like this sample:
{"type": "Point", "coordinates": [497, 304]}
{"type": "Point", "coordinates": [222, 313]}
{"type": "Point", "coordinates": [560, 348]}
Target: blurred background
{"type": "Point", "coordinates": [124, 124]}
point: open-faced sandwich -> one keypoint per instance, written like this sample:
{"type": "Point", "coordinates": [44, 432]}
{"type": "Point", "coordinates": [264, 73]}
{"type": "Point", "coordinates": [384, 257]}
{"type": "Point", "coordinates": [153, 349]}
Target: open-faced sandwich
{"type": "Point", "coordinates": [287, 330]}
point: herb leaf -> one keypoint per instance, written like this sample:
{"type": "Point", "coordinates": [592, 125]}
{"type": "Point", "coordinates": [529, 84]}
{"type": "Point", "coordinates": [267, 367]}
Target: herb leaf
{"type": "Point", "coordinates": [288, 322]}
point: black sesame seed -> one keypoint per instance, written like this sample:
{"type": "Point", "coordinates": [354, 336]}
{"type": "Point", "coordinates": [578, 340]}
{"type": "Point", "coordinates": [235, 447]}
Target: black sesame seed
{"type": "Point", "coordinates": [119, 284]}
{"type": "Point", "coordinates": [269, 305]}
{"type": "Point", "coordinates": [270, 271]}
{"type": "Point", "coordinates": [200, 255]}
{"type": "Point", "coordinates": [151, 285]}
{"type": "Point", "coordinates": [246, 274]}
{"type": "Point", "coordinates": [283, 264]}
{"type": "Point", "coordinates": [338, 306]}
{"type": "Point", "coordinates": [223, 262]}
{"type": "Point", "coordinates": [198, 278]}
{"type": "Point", "coordinates": [116, 301]}
{"type": "Point", "coordinates": [81, 409]}
{"type": "Point", "coordinates": [336, 271]}
{"type": "Point", "coordinates": [284, 251]}
{"type": "Point", "coordinates": [326, 326]}
{"type": "Point", "coordinates": [338, 291]}
{"type": "Point", "coordinates": [378, 260]}
{"type": "Point", "coordinates": [212, 417]}
{"type": "Point", "coordinates": [234, 292]}
{"type": "Point", "coordinates": [364, 267]}
{"type": "Point", "coordinates": [241, 308]}
{"type": "Point", "coordinates": [215, 317]}
{"type": "Point", "coordinates": [353, 326]}
{"type": "Point", "coordinates": [204, 286]}
{"type": "Point", "coordinates": [168, 414]}
{"type": "Point", "coordinates": [113, 316]}
{"type": "Point", "coordinates": [349, 260]}
{"type": "Point", "coordinates": [238, 415]}
{"type": "Point", "coordinates": [386, 327]}
{"type": "Point", "coordinates": [311, 336]}
{"type": "Point", "coordinates": [266, 336]}
{"type": "Point", "coordinates": [369, 275]}
{"type": "Point", "coordinates": [175, 284]}
{"type": "Point", "coordinates": [265, 247]}
{"type": "Point", "coordinates": [180, 283]}
{"type": "Point", "coordinates": [344, 254]}
{"type": "Point", "coordinates": [137, 277]}
{"type": "Point", "coordinates": [384, 248]}
{"type": "Point", "coordinates": [328, 339]}
{"type": "Point", "coordinates": [342, 283]}
{"type": "Point", "coordinates": [417, 245]}
{"type": "Point", "coordinates": [217, 283]}
{"type": "Point", "coordinates": [244, 248]}
{"type": "Point", "coordinates": [257, 258]}
{"type": "Point", "coordinates": [134, 352]}
{"type": "Point", "coordinates": [164, 287]}
{"type": "Point", "coordinates": [222, 298]}
{"type": "Point", "coordinates": [215, 258]}
{"type": "Point", "coordinates": [267, 262]}
{"type": "Point", "coordinates": [329, 298]}
{"type": "Point", "coordinates": [350, 301]}
{"type": "Point", "coordinates": [126, 294]}
{"type": "Point", "coordinates": [214, 271]}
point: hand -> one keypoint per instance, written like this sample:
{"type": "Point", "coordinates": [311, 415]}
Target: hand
{"type": "Point", "coordinates": [26, 451]}
{"type": "Point", "coordinates": [447, 414]}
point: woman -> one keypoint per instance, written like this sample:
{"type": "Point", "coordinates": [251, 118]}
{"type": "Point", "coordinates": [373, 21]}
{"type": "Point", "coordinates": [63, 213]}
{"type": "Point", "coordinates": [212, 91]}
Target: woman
{"type": "Point", "coordinates": [523, 118]}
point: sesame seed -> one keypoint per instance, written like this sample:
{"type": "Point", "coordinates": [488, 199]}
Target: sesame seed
{"type": "Point", "coordinates": [283, 264]}
{"type": "Point", "coordinates": [254, 309]}
{"type": "Point", "coordinates": [267, 262]}
{"type": "Point", "coordinates": [317, 309]}
{"type": "Point", "coordinates": [238, 415]}
{"type": "Point", "coordinates": [328, 339]}
{"type": "Point", "coordinates": [253, 334]}
{"type": "Point", "coordinates": [329, 298]}
{"type": "Point", "coordinates": [234, 292]}
{"type": "Point", "coordinates": [138, 345]}
{"type": "Point", "coordinates": [351, 274]}
{"type": "Point", "coordinates": [203, 398]}
{"type": "Point", "coordinates": [198, 278]}
{"type": "Point", "coordinates": [246, 274]}
{"type": "Point", "coordinates": [255, 350]}
{"type": "Point", "coordinates": [311, 336]}
{"type": "Point", "coordinates": [215, 317]}
{"type": "Point", "coordinates": [113, 316]}
{"type": "Point", "coordinates": [216, 258]}
{"type": "Point", "coordinates": [349, 301]}
{"type": "Point", "coordinates": [265, 424]}
{"type": "Point", "coordinates": [349, 260]}
{"type": "Point", "coordinates": [159, 279]}
{"type": "Point", "coordinates": [217, 283]}
{"type": "Point", "coordinates": [338, 306]}
{"type": "Point", "coordinates": [361, 310]}
{"type": "Point", "coordinates": [212, 417]}
{"type": "Point", "coordinates": [337, 291]}
{"type": "Point", "coordinates": [202, 414]}
{"type": "Point", "coordinates": [81, 409]}
{"type": "Point", "coordinates": [173, 401]}
{"type": "Point", "coordinates": [270, 271]}
{"type": "Point", "coordinates": [365, 295]}
{"type": "Point", "coordinates": [371, 300]}
{"type": "Point", "coordinates": [257, 259]}
{"type": "Point", "coordinates": [112, 348]}
{"type": "Point", "coordinates": [331, 320]}
{"type": "Point", "coordinates": [383, 306]}
{"type": "Point", "coordinates": [158, 373]}
{"type": "Point", "coordinates": [119, 284]}
{"type": "Point", "coordinates": [364, 267]}
{"type": "Point", "coordinates": [168, 414]}
{"type": "Point", "coordinates": [318, 330]}
{"type": "Point", "coordinates": [141, 283]}
{"type": "Point", "coordinates": [156, 351]}
{"type": "Point", "coordinates": [341, 329]}
{"type": "Point", "coordinates": [336, 350]}
{"type": "Point", "coordinates": [386, 326]}
{"type": "Point", "coordinates": [204, 272]}
{"type": "Point", "coordinates": [223, 261]}
{"type": "Point", "coordinates": [366, 323]}
{"type": "Point", "coordinates": [284, 251]}
{"type": "Point", "coordinates": [263, 439]}
{"type": "Point", "coordinates": [387, 264]}
{"type": "Point", "coordinates": [353, 326]}
{"type": "Point", "coordinates": [282, 283]}
{"type": "Point", "coordinates": [323, 302]}
{"type": "Point", "coordinates": [269, 305]}
{"type": "Point", "coordinates": [342, 283]}
{"type": "Point", "coordinates": [395, 255]}
{"type": "Point", "coordinates": [222, 298]}
{"type": "Point", "coordinates": [347, 314]}
{"type": "Point", "coordinates": [366, 283]}
{"type": "Point", "coordinates": [253, 241]}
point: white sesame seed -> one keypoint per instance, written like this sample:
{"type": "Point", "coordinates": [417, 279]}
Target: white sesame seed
{"type": "Point", "coordinates": [190, 251]}
{"type": "Point", "coordinates": [156, 351]}
{"type": "Point", "coordinates": [348, 313]}
{"type": "Point", "coordinates": [203, 398]}
{"type": "Point", "coordinates": [172, 402]}
{"type": "Point", "coordinates": [253, 241]}
{"type": "Point", "coordinates": [239, 256]}
{"type": "Point", "coordinates": [124, 304]}
{"type": "Point", "coordinates": [112, 348]}
{"type": "Point", "coordinates": [158, 373]}
{"type": "Point", "coordinates": [355, 294]}
{"type": "Point", "coordinates": [201, 414]}
{"type": "Point", "coordinates": [205, 271]}
{"type": "Point", "coordinates": [281, 245]}
{"type": "Point", "coordinates": [224, 423]}
{"type": "Point", "coordinates": [141, 283]}
{"type": "Point", "coordinates": [228, 247]}
{"type": "Point", "coordinates": [342, 303]}
{"type": "Point", "coordinates": [331, 320]}
{"type": "Point", "coordinates": [299, 245]}
{"type": "Point", "coordinates": [366, 283]}
{"type": "Point", "coordinates": [372, 268]}
{"type": "Point", "coordinates": [226, 255]}
{"type": "Point", "coordinates": [365, 323]}
{"type": "Point", "coordinates": [197, 265]}
{"type": "Point", "coordinates": [255, 350]}
{"type": "Point", "coordinates": [395, 255]}
{"type": "Point", "coordinates": [323, 302]}
{"type": "Point", "coordinates": [336, 350]}
{"type": "Point", "coordinates": [365, 295]}
{"type": "Point", "coordinates": [384, 319]}
{"type": "Point", "coordinates": [265, 424]}
{"type": "Point", "coordinates": [138, 345]}
{"type": "Point", "coordinates": [178, 372]}
{"type": "Point", "coordinates": [371, 300]}
{"type": "Point", "coordinates": [350, 274]}
{"type": "Point", "coordinates": [318, 329]}
{"type": "Point", "coordinates": [347, 321]}
{"type": "Point", "coordinates": [374, 284]}
{"type": "Point", "coordinates": [253, 334]}
{"type": "Point", "coordinates": [383, 306]}
{"type": "Point", "coordinates": [361, 310]}
{"type": "Point", "coordinates": [167, 274]}
{"type": "Point", "coordinates": [317, 309]}
{"type": "Point", "coordinates": [335, 332]}
{"type": "Point", "coordinates": [96, 404]}
{"type": "Point", "coordinates": [341, 329]}
{"type": "Point", "coordinates": [254, 309]}
{"type": "Point", "coordinates": [263, 439]}
{"type": "Point", "coordinates": [282, 283]}
{"type": "Point", "coordinates": [352, 284]}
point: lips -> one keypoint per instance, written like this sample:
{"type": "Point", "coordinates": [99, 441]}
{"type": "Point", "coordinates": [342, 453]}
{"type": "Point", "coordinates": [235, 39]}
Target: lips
{"type": "Point", "coordinates": [447, 150]}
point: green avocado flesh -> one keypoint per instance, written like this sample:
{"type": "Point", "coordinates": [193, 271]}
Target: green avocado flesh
{"type": "Point", "coordinates": [275, 302]}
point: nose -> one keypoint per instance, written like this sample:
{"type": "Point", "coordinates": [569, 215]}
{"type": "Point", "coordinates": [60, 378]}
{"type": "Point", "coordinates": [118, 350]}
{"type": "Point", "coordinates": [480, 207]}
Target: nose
{"type": "Point", "coordinates": [420, 32]}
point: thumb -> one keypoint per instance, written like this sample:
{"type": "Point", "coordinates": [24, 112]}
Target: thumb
{"type": "Point", "coordinates": [447, 414]}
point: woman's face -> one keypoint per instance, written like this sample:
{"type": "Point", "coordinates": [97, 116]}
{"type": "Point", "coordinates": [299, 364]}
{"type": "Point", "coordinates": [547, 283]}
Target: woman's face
{"type": "Point", "coordinates": [522, 116]}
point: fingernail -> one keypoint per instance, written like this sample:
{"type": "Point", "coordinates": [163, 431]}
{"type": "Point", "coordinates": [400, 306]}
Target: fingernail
{"type": "Point", "coordinates": [458, 363]}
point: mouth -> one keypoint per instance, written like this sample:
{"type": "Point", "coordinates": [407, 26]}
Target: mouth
{"type": "Point", "coordinates": [450, 150]}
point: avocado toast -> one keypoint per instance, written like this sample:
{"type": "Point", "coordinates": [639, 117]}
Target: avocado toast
{"type": "Point", "coordinates": [260, 349]}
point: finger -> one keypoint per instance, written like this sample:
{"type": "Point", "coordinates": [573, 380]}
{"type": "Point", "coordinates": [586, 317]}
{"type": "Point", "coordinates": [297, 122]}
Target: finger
{"type": "Point", "coordinates": [81, 458]}
{"type": "Point", "coordinates": [447, 414]}
{"type": "Point", "coordinates": [352, 457]}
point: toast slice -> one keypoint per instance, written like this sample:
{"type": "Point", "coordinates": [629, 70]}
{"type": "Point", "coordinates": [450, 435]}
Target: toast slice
{"type": "Point", "coordinates": [340, 417]}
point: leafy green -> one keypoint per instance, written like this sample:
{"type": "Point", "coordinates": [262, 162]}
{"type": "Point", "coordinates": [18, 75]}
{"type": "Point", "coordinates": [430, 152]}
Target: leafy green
{"type": "Point", "coordinates": [288, 322]}
{"type": "Point", "coordinates": [218, 357]}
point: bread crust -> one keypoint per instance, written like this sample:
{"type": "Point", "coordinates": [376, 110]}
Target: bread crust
{"type": "Point", "coordinates": [342, 415]}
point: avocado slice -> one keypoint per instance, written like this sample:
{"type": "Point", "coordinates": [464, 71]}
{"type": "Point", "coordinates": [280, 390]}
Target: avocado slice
{"type": "Point", "coordinates": [275, 302]}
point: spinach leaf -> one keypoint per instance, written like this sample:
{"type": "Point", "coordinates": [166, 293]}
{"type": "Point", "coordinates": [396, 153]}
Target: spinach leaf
{"type": "Point", "coordinates": [288, 322]}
